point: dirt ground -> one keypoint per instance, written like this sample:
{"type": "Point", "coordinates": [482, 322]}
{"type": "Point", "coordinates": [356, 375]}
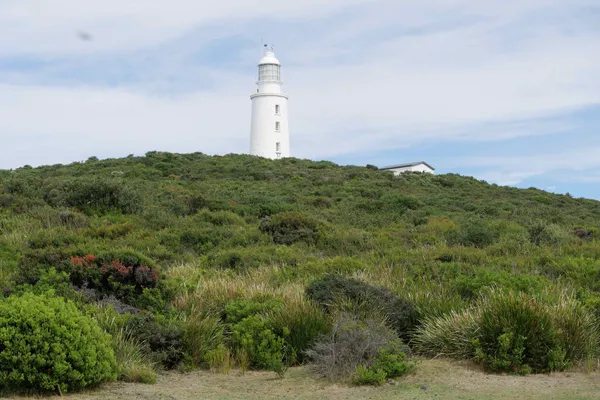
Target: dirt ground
{"type": "Point", "coordinates": [433, 379]}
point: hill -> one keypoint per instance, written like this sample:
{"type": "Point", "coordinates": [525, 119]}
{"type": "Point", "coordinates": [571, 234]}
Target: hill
{"type": "Point", "coordinates": [204, 259]}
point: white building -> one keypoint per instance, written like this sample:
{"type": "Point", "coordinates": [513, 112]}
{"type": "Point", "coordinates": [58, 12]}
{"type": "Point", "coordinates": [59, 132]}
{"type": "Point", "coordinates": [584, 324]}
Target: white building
{"type": "Point", "coordinates": [420, 166]}
{"type": "Point", "coordinates": [269, 135]}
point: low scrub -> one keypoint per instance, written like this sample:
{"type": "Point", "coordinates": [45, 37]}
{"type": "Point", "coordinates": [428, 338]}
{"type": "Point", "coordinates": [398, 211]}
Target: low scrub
{"type": "Point", "coordinates": [365, 351]}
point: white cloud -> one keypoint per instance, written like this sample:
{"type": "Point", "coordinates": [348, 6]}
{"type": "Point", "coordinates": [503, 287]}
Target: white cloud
{"type": "Point", "coordinates": [568, 166]}
{"type": "Point", "coordinates": [49, 28]}
{"type": "Point", "coordinates": [442, 70]}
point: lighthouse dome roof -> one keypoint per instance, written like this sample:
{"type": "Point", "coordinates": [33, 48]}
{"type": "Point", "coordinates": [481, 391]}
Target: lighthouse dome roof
{"type": "Point", "coordinates": [269, 58]}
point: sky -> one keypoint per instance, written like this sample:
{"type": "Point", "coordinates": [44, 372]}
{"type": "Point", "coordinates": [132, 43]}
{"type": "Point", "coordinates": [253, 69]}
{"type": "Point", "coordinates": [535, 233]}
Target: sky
{"type": "Point", "coordinates": [506, 91]}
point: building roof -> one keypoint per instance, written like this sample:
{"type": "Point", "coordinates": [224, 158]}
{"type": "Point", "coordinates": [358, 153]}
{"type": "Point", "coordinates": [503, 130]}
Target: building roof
{"type": "Point", "coordinates": [411, 164]}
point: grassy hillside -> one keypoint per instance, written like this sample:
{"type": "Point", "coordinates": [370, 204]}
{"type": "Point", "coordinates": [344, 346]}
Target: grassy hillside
{"type": "Point", "coordinates": [170, 253]}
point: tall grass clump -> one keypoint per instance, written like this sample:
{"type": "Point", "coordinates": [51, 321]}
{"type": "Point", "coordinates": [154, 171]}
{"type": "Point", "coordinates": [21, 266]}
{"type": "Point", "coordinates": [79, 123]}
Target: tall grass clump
{"type": "Point", "coordinates": [299, 322]}
{"type": "Point", "coordinates": [448, 335]}
{"type": "Point", "coordinates": [578, 329]}
{"type": "Point", "coordinates": [517, 333]}
{"type": "Point", "coordinates": [203, 333]}
{"type": "Point", "coordinates": [514, 332]}
{"type": "Point", "coordinates": [133, 363]}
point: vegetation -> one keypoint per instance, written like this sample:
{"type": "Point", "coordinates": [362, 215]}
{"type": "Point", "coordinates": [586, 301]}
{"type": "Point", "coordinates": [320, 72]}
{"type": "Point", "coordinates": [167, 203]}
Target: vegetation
{"type": "Point", "coordinates": [365, 350]}
{"type": "Point", "coordinates": [48, 345]}
{"type": "Point", "coordinates": [190, 261]}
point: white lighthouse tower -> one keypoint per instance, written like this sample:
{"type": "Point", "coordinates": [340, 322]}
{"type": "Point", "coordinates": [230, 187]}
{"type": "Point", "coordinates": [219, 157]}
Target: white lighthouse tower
{"type": "Point", "coordinates": [269, 135]}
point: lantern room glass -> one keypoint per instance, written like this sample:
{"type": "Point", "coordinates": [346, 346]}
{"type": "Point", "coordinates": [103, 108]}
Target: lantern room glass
{"type": "Point", "coordinates": [269, 72]}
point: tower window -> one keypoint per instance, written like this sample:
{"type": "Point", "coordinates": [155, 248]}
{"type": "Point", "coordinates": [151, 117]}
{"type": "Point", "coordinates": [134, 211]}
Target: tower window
{"type": "Point", "coordinates": [277, 109]}
{"type": "Point", "coordinates": [278, 147]}
{"type": "Point", "coordinates": [277, 126]}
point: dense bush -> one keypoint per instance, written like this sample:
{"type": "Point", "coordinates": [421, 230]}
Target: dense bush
{"type": "Point", "coordinates": [47, 345]}
{"type": "Point", "coordinates": [123, 273]}
{"type": "Point", "coordinates": [252, 337]}
{"type": "Point", "coordinates": [253, 340]}
{"type": "Point", "coordinates": [164, 338]}
{"type": "Point", "coordinates": [96, 196]}
{"type": "Point", "coordinates": [291, 227]}
{"type": "Point", "coordinates": [236, 310]}
{"type": "Point", "coordinates": [331, 289]}
{"type": "Point", "coordinates": [473, 233]}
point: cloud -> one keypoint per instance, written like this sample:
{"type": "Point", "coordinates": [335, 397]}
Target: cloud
{"type": "Point", "coordinates": [511, 170]}
{"type": "Point", "coordinates": [363, 76]}
{"type": "Point", "coordinates": [49, 28]}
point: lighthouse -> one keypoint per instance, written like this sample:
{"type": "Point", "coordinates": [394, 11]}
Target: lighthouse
{"type": "Point", "coordinates": [269, 132]}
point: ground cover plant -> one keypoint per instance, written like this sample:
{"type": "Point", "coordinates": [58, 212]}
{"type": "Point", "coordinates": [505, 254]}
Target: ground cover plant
{"type": "Point", "coordinates": [219, 262]}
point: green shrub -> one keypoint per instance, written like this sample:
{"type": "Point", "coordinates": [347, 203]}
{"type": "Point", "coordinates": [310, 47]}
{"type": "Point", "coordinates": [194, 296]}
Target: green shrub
{"type": "Point", "coordinates": [390, 362]}
{"type": "Point", "coordinates": [253, 338]}
{"type": "Point", "coordinates": [48, 345]}
{"type": "Point", "coordinates": [471, 286]}
{"type": "Point", "coordinates": [400, 203]}
{"type": "Point", "coordinates": [474, 233]}
{"type": "Point", "coordinates": [369, 376]}
{"type": "Point", "coordinates": [33, 263]}
{"type": "Point", "coordinates": [393, 361]}
{"type": "Point", "coordinates": [330, 289]}
{"type": "Point", "coordinates": [97, 195]}
{"type": "Point", "coordinates": [291, 227]}
{"type": "Point", "coordinates": [541, 234]}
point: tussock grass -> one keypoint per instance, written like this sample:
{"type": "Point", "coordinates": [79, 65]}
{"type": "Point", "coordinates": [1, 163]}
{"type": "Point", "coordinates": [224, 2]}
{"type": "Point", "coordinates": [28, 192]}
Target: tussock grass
{"type": "Point", "coordinates": [449, 335]}
{"type": "Point", "coordinates": [547, 326]}
{"type": "Point", "coordinates": [204, 332]}
{"type": "Point", "coordinates": [133, 363]}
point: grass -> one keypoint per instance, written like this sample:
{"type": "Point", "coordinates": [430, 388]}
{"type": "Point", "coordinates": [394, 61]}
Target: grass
{"type": "Point", "coordinates": [433, 379]}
